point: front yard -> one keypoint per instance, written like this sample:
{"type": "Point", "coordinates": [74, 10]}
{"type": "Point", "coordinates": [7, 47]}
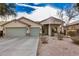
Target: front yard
{"type": "Point", "coordinates": [56, 47]}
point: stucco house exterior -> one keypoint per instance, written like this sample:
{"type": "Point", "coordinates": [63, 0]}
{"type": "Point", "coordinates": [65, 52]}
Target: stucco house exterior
{"type": "Point", "coordinates": [24, 26]}
{"type": "Point", "coordinates": [51, 25]}
{"type": "Point", "coordinates": [21, 27]}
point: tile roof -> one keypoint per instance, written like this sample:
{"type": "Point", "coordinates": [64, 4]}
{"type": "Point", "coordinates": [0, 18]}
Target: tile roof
{"type": "Point", "coordinates": [74, 22]}
{"type": "Point", "coordinates": [51, 17]}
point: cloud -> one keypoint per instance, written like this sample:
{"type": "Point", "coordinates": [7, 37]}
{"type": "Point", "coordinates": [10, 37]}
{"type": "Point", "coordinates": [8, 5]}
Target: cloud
{"type": "Point", "coordinates": [43, 13]}
{"type": "Point", "coordinates": [37, 4]}
{"type": "Point", "coordinates": [22, 8]}
{"type": "Point", "coordinates": [40, 13]}
{"type": "Point", "coordinates": [26, 5]}
{"type": "Point", "coordinates": [36, 11]}
{"type": "Point", "coordinates": [30, 7]}
{"type": "Point", "coordinates": [26, 8]}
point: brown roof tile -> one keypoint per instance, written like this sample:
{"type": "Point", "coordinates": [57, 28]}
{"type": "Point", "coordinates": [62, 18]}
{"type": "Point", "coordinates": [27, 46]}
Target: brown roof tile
{"type": "Point", "coordinates": [14, 20]}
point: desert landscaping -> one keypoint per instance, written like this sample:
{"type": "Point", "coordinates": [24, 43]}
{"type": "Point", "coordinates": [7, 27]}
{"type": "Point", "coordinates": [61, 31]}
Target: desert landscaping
{"type": "Point", "coordinates": [55, 47]}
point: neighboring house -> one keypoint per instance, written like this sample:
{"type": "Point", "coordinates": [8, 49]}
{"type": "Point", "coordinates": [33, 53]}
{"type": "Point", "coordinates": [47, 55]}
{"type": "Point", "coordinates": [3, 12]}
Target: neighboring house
{"type": "Point", "coordinates": [51, 25]}
{"type": "Point", "coordinates": [21, 27]}
{"type": "Point", "coordinates": [73, 26]}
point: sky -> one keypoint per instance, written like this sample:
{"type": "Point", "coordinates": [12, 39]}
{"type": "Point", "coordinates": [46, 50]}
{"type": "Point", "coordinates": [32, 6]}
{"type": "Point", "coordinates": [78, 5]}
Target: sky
{"type": "Point", "coordinates": [39, 11]}
{"type": "Point", "coordinates": [25, 7]}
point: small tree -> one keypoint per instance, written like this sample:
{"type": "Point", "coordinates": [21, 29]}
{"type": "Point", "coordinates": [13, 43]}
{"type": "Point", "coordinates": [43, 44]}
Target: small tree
{"type": "Point", "coordinates": [7, 9]}
{"type": "Point", "coordinates": [68, 13]}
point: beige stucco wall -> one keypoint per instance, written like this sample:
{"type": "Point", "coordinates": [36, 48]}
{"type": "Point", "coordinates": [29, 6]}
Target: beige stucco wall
{"type": "Point", "coordinates": [31, 23]}
{"type": "Point", "coordinates": [73, 27]}
{"type": "Point", "coordinates": [15, 24]}
{"type": "Point", "coordinates": [77, 26]}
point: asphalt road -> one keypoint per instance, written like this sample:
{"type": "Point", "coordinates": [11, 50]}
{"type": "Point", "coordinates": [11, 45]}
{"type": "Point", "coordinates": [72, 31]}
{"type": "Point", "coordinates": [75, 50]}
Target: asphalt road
{"type": "Point", "coordinates": [19, 46]}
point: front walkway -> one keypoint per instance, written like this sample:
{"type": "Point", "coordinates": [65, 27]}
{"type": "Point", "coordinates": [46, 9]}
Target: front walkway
{"type": "Point", "coordinates": [56, 47]}
{"type": "Point", "coordinates": [24, 46]}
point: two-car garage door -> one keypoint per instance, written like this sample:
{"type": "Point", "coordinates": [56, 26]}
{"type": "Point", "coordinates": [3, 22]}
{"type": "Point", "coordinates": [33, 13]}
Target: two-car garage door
{"type": "Point", "coordinates": [21, 31]}
{"type": "Point", "coordinates": [16, 31]}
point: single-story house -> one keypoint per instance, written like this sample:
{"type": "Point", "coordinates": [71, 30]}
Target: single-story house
{"type": "Point", "coordinates": [21, 27]}
{"type": "Point", "coordinates": [51, 25]}
{"type": "Point", "coordinates": [24, 26]}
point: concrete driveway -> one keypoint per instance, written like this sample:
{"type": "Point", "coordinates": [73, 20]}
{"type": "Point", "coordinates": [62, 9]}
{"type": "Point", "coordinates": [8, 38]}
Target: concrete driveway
{"type": "Point", "coordinates": [19, 46]}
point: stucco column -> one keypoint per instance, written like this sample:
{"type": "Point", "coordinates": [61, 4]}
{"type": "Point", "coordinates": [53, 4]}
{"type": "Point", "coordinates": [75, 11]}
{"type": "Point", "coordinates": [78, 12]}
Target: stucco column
{"type": "Point", "coordinates": [28, 31]}
{"type": "Point", "coordinates": [58, 29]}
{"type": "Point", "coordinates": [49, 30]}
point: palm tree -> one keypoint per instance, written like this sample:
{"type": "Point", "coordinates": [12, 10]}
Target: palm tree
{"type": "Point", "coordinates": [7, 9]}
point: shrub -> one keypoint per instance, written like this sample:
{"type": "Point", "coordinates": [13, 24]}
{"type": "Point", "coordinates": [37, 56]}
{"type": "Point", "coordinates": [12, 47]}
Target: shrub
{"type": "Point", "coordinates": [74, 36]}
{"type": "Point", "coordinates": [72, 33]}
{"type": "Point", "coordinates": [44, 40]}
{"type": "Point", "coordinates": [75, 39]}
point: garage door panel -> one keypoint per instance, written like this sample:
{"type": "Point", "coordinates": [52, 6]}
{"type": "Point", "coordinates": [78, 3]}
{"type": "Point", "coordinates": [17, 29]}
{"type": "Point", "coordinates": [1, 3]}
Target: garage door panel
{"type": "Point", "coordinates": [16, 32]}
{"type": "Point", "coordinates": [35, 31]}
